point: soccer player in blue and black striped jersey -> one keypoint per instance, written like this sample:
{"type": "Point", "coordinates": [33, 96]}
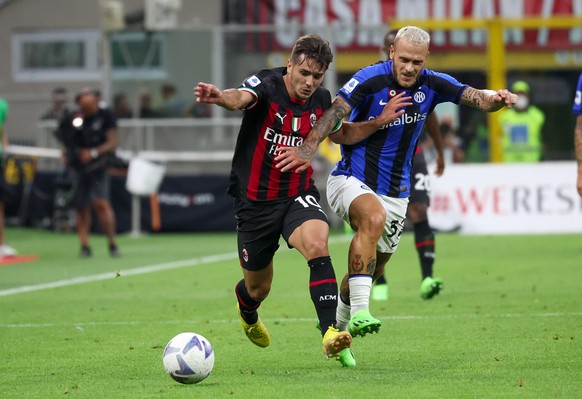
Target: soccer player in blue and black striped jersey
{"type": "Point", "coordinates": [370, 185]}
{"type": "Point", "coordinates": [577, 110]}
{"type": "Point", "coordinates": [419, 201]}
{"type": "Point", "coordinates": [280, 107]}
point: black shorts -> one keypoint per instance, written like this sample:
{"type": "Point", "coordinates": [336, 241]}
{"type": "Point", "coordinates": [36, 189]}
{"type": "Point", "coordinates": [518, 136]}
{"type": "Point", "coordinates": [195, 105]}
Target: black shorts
{"type": "Point", "coordinates": [89, 186]}
{"type": "Point", "coordinates": [260, 225]}
{"type": "Point", "coordinates": [420, 190]}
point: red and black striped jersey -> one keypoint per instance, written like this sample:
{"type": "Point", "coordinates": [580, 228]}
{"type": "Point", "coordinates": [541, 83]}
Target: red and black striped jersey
{"type": "Point", "coordinates": [274, 120]}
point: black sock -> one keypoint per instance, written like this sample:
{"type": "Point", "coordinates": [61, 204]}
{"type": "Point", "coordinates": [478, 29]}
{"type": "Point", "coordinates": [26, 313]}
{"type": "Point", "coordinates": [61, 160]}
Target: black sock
{"type": "Point", "coordinates": [247, 305]}
{"type": "Point", "coordinates": [425, 246]}
{"type": "Point", "coordinates": [323, 289]}
{"type": "Point", "coordinates": [381, 280]}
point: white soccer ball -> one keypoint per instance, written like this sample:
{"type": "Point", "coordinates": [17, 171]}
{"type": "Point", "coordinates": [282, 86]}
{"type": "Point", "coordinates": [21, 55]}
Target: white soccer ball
{"type": "Point", "coordinates": [188, 358]}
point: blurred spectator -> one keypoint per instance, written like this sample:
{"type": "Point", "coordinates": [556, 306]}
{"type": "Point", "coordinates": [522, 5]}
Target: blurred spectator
{"type": "Point", "coordinates": [475, 138]}
{"type": "Point", "coordinates": [197, 110]}
{"type": "Point", "coordinates": [121, 106]}
{"type": "Point", "coordinates": [173, 106]}
{"type": "Point", "coordinates": [521, 128]}
{"type": "Point", "coordinates": [58, 107]}
{"type": "Point", "coordinates": [146, 109]}
{"type": "Point", "coordinates": [452, 149]}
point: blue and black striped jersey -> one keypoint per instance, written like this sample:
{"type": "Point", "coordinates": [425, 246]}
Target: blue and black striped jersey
{"type": "Point", "coordinates": [384, 160]}
{"type": "Point", "coordinates": [577, 106]}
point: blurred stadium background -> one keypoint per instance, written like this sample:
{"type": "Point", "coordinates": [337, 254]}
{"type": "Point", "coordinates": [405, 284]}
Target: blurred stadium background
{"type": "Point", "coordinates": [138, 47]}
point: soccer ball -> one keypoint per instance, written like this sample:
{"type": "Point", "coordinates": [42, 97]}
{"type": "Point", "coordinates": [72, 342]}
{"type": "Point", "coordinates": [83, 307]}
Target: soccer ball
{"type": "Point", "coordinates": [188, 358]}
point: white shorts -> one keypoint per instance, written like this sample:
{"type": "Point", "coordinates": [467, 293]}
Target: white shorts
{"type": "Point", "coordinates": [342, 190]}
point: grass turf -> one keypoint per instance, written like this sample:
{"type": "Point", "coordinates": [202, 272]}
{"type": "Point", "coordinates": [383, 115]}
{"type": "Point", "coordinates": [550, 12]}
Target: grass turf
{"type": "Point", "coordinates": [507, 325]}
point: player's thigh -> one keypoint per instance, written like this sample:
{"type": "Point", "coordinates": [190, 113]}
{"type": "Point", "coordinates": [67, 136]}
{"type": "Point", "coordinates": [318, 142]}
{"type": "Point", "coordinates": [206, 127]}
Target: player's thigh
{"type": "Point", "coordinates": [395, 209]}
{"type": "Point", "coordinates": [342, 191]}
{"type": "Point", "coordinates": [367, 212]}
{"type": "Point", "coordinates": [258, 232]}
{"type": "Point", "coordinates": [305, 226]}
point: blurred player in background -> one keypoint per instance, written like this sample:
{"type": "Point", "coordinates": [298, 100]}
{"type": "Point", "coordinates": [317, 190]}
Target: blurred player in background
{"type": "Point", "coordinates": [418, 204]}
{"type": "Point", "coordinates": [58, 107]}
{"type": "Point", "coordinates": [88, 135]}
{"type": "Point", "coordinates": [577, 110]}
{"type": "Point", "coordinates": [5, 250]}
{"type": "Point", "coordinates": [280, 107]}
{"type": "Point", "coordinates": [370, 186]}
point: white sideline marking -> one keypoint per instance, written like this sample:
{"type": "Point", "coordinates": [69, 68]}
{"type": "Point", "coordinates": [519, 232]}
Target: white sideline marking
{"type": "Point", "coordinates": [288, 320]}
{"type": "Point", "coordinates": [129, 272]}
{"type": "Point", "coordinates": [135, 271]}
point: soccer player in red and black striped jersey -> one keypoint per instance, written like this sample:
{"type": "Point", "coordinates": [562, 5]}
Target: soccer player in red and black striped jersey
{"type": "Point", "coordinates": [280, 107]}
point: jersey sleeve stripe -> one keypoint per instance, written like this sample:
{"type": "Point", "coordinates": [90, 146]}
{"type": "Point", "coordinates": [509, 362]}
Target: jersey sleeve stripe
{"type": "Point", "coordinates": [254, 94]}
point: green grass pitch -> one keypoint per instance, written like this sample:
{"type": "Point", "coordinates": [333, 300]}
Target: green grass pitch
{"type": "Point", "coordinates": [507, 325]}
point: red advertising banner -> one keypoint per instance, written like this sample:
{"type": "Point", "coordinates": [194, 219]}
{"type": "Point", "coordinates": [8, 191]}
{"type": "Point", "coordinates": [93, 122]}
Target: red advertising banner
{"type": "Point", "coordinates": [359, 25]}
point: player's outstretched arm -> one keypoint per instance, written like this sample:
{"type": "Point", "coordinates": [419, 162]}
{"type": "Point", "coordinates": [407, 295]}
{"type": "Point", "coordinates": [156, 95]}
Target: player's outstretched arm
{"type": "Point", "coordinates": [230, 99]}
{"type": "Point", "coordinates": [298, 158]}
{"type": "Point", "coordinates": [488, 100]}
{"type": "Point", "coordinates": [354, 132]}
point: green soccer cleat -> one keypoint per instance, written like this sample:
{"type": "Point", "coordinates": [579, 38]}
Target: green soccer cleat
{"type": "Point", "coordinates": [257, 332]}
{"type": "Point", "coordinates": [380, 292]}
{"type": "Point", "coordinates": [346, 358]}
{"type": "Point", "coordinates": [335, 341]}
{"type": "Point", "coordinates": [431, 287]}
{"type": "Point", "coordinates": [363, 323]}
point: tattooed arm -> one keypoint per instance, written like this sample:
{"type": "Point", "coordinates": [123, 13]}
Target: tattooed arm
{"type": "Point", "coordinates": [488, 100]}
{"type": "Point", "coordinates": [354, 132]}
{"type": "Point", "coordinates": [298, 158]}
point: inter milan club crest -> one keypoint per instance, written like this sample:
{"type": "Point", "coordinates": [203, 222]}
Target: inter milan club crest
{"type": "Point", "coordinates": [296, 124]}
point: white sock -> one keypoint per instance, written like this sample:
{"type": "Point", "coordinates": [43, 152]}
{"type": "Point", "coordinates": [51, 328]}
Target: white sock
{"type": "Point", "coordinates": [360, 287]}
{"type": "Point", "coordinates": [342, 315]}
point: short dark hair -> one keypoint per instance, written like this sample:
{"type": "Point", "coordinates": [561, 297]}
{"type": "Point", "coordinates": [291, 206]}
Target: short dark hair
{"type": "Point", "coordinates": [314, 48]}
{"type": "Point", "coordinates": [393, 33]}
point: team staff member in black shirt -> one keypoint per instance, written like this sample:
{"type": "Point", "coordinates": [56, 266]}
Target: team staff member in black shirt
{"type": "Point", "coordinates": [89, 138]}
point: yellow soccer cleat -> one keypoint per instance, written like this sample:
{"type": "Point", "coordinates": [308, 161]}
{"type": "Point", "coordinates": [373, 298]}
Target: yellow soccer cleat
{"type": "Point", "coordinates": [335, 341]}
{"type": "Point", "coordinates": [257, 332]}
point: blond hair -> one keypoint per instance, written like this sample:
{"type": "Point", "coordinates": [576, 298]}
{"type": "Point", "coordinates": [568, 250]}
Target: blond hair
{"type": "Point", "coordinates": [413, 35]}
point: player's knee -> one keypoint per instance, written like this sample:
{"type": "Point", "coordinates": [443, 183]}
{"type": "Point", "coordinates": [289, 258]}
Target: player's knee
{"type": "Point", "coordinates": [259, 292]}
{"type": "Point", "coordinates": [373, 224]}
{"type": "Point", "coordinates": [417, 212]}
{"type": "Point", "coordinates": [316, 248]}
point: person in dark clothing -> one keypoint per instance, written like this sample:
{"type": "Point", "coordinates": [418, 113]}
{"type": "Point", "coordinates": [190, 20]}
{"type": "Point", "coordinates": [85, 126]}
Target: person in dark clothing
{"type": "Point", "coordinates": [88, 136]}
